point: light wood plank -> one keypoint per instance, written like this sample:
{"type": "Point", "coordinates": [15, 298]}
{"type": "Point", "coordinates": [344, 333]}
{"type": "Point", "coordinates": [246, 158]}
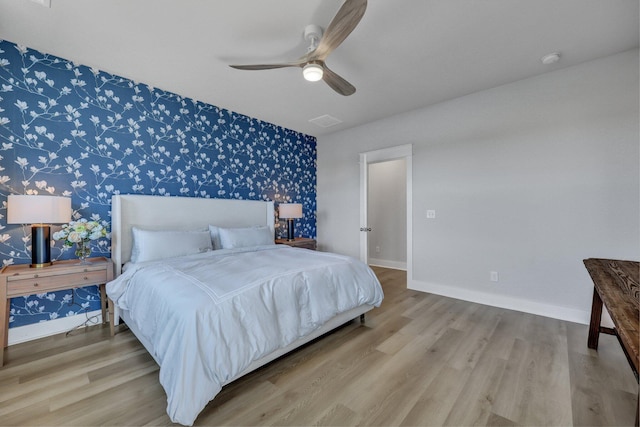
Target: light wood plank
{"type": "Point", "coordinates": [419, 359]}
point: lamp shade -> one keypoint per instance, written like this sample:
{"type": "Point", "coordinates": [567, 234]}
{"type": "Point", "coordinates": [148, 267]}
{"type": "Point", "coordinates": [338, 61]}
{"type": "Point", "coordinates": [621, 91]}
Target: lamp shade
{"type": "Point", "coordinates": [36, 209]}
{"type": "Point", "coordinates": [290, 210]}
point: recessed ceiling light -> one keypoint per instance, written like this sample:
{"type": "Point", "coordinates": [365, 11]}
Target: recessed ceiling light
{"type": "Point", "coordinates": [550, 58]}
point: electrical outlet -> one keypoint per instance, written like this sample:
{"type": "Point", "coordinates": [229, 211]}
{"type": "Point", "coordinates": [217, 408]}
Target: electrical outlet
{"type": "Point", "coordinates": [431, 213]}
{"type": "Point", "coordinates": [493, 276]}
{"type": "Point", "coordinates": [378, 249]}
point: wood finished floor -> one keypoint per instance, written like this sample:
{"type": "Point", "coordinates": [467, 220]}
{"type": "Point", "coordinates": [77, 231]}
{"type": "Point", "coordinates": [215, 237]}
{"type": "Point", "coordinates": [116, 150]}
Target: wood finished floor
{"type": "Point", "coordinates": [420, 359]}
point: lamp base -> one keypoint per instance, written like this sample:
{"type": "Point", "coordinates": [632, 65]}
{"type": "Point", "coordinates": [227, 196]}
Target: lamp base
{"type": "Point", "coordinates": [290, 237]}
{"type": "Point", "coordinates": [40, 246]}
{"type": "Point", "coordinates": [46, 264]}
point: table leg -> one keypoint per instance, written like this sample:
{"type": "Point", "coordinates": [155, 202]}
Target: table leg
{"type": "Point", "coordinates": [638, 408]}
{"type": "Point", "coordinates": [7, 310]}
{"type": "Point", "coordinates": [103, 302]}
{"type": "Point", "coordinates": [112, 319]}
{"type": "Point", "coordinates": [596, 318]}
{"type": "Point", "coordinates": [4, 322]}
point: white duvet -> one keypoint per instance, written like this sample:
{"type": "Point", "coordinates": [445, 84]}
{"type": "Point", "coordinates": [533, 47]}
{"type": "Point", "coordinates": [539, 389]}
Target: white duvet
{"type": "Point", "coordinates": [206, 317]}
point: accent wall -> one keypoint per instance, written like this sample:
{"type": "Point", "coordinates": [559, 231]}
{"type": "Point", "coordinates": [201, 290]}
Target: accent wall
{"type": "Point", "coordinates": [71, 130]}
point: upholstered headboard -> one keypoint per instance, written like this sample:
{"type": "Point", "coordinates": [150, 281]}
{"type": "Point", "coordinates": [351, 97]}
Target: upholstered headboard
{"type": "Point", "coordinates": [178, 213]}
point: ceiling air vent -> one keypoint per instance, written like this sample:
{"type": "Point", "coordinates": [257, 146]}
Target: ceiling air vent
{"type": "Point", "coordinates": [325, 121]}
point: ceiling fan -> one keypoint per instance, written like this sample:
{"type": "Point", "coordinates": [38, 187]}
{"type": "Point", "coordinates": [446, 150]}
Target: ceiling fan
{"type": "Point", "coordinates": [321, 45]}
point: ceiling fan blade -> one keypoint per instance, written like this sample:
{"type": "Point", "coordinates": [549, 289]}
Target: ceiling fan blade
{"type": "Point", "coordinates": [340, 27]}
{"type": "Point", "coordinates": [337, 83]}
{"type": "Point", "coordinates": [298, 63]}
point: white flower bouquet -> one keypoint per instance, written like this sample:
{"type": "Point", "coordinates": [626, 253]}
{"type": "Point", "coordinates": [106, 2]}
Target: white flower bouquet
{"type": "Point", "coordinates": [80, 231]}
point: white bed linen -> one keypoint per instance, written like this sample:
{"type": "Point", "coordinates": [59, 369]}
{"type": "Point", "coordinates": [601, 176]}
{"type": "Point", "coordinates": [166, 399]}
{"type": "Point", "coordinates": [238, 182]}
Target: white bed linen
{"type": "Point", "coordinates": [207, 316]}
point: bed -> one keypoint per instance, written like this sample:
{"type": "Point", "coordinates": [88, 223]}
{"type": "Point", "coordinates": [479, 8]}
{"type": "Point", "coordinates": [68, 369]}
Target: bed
{"type": "Point", "coordinates": [212, 311]}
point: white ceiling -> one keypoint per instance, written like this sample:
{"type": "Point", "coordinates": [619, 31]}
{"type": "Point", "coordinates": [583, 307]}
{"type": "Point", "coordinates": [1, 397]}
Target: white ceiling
{"type": "Point", "coordinates": [404, 54]}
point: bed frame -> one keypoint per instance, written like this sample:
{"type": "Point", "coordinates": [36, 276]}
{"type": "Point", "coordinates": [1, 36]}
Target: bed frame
{"type": "Point", "coordinates": [189, 213]}
{"type": "Point", "coordinates": [178, 213]}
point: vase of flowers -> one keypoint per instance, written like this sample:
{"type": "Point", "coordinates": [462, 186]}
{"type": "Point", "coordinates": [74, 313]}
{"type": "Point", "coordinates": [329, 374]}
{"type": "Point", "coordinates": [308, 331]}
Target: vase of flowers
{"type": "Point", "coordinates": [80, 233]}
{"type": "Point", "coordinates": [83, 250]}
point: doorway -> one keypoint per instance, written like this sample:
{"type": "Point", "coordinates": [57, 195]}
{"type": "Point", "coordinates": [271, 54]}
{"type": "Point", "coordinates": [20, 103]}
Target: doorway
{"type": "Point", "coordinates": [404, 153]}
{"type": "Point", "coordinates": [387, 213]}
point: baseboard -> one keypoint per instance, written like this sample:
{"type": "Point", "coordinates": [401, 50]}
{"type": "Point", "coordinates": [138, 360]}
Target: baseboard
{"type": "Point", "coordinates": [396, 265]}
{"type": "Point", "coordinates": [510, 303]}
{"type": "Point", "coordinates": [52, 327]}
{"type": "Point", "coordinates": [64, 324]}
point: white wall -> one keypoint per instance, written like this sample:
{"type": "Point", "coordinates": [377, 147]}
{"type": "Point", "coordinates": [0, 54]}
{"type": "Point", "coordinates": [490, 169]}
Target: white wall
{"type": "Point", "coordinates": [387, 213]}
{"type": "Point", "coordinates": [527, 179]}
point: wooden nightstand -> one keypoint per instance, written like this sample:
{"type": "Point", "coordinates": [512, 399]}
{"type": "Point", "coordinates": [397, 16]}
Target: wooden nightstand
{"type": "Point", "coordinates": [299, 242]}
{"type": "Point", "coordinates": [21, 280]}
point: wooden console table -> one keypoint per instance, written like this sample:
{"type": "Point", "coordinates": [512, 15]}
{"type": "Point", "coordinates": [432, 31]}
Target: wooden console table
{"type": "Point", "coordinates": [616, 285]}
{"type": "Point", "coordinates": [21, 280]}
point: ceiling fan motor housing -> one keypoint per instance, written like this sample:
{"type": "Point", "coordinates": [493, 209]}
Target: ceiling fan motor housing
{"type": "Point", "coordinates": [312, 33]}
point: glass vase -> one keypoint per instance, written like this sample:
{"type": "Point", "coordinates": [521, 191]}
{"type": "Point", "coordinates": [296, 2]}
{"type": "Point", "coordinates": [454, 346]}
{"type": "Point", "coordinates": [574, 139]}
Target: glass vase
{"type": "Point", "coordinates": [83, 250]}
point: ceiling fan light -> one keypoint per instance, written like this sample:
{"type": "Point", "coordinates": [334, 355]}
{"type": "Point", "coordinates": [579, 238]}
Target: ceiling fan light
{"type": "Point", "coordinates": [312, 72]}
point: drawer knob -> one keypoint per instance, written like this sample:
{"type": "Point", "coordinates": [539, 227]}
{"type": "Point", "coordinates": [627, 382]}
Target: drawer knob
{"type": "Point", "coordinates": [86, 278]}
{"type": "Point", "coordinates": [35, 284]}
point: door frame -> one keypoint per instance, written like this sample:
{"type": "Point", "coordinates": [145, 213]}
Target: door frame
{"type": "Point", "coordinates": [392, 153]}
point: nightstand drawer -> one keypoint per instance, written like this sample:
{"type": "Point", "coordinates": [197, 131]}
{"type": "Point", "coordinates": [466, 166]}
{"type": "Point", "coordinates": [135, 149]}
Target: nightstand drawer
{"type": "Point", "coordinates": [35, 284]}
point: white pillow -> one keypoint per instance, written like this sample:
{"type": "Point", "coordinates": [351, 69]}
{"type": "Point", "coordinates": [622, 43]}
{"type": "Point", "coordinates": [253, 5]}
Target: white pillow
{"type": "Point", "coordinates": [150, 245]}
{"type": "Point", "coordinates": [247, 236]}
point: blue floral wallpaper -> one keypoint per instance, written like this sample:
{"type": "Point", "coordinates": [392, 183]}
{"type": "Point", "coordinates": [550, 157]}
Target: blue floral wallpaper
{"type": "Point", "coordinates": [67, 129]}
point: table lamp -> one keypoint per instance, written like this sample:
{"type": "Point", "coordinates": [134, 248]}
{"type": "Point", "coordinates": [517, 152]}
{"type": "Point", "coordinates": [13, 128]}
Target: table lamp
{"type": "Point", "coordinates": [40, 212]}
{"type": "Point", "coordinates": [290, 211]}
